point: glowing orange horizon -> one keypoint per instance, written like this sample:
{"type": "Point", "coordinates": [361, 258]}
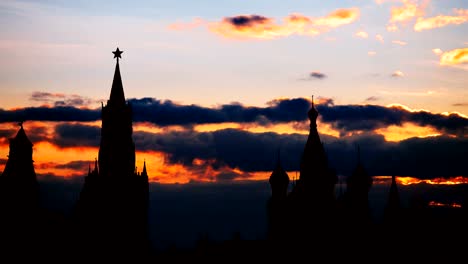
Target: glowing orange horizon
{"type": "Point", "coordinates": [440, 204]}
{"type": "Point", "coordinates": [405, 180]}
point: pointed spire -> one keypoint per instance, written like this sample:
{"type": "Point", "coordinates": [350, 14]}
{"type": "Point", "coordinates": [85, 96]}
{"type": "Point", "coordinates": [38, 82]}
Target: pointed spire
{"type": "Point", "coordinates": [313, 113]}
{"type": "Point", "coordinates": [144, 173]}
{"type": "Point", "coordinates": [117, 93]}
{"type": "Point", "coordinates": [21, 137]}
{"type": "Point", "coordinates": [89, 169]}
{"type": "Point", "coordinates": [96, 169]}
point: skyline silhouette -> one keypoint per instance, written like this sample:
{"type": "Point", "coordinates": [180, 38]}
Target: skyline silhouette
{"type": "Point", "coordinates": [110, 217]}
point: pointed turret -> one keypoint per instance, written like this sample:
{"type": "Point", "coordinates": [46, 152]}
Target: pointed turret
{"type": "Point", "coordinates": [117, 150]}
{"type": "Point", "coordinates": [393, 195]}
{"type": "Point", "coordinates": [113, 204]}
{"type": "Point", "coordinates": [279, 180]}
{"type": "Point", "coordinates": [117, 96]}
{"type": "Point", "coordinates": [144, 173]}
{"type": "Point", "coordinates": [392, 211]}
{"type": "Point", "coordinates": [315, 176]}
{"type": "Point", "coordinates": [19, 187]}
{"type": "Point", "coordinates": [276, 206]}
{"type": "Point", "coordinates": [96, 167]}
{"type": "Point", "coordinates": [357, 193]}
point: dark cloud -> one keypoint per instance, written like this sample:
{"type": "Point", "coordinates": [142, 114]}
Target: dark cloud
{"type": "Point", "coordinates": [419, 157]}
{"type": "Point", "coordinates": [345, 118]}
{"type": "Point", "coordinates": [45, 96]}
{"type": "Point", "coordinates": [372, 99]}
{"type": "Point", "coordinates": [165, 113]}
{"type": "Point", "coordinates": [317, 75]}
{"type": "Point", "coordinates": [246, 20]}
{"type": "Point", "coordinates": [59, 99]}
{"type": "Point", "coordinates": [35, 133]}
{"type": "Point", "coordinates": [460, 104]}
{"type": "Point", "coordinates": [58, 113]}
{"type": "Point", "coordinates": [79, 165]}
{"type": "Point", "coordinates": [75, 135]}
{"type": "Point", "coordinates": [6, 134]}
{"type": "Point", "coordinates": [348, 118]}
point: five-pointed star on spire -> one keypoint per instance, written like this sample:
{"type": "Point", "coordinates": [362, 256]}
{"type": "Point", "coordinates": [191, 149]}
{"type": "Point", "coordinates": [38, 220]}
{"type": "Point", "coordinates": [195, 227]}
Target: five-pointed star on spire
{"type": "Point", "coordinates": [117, 54]}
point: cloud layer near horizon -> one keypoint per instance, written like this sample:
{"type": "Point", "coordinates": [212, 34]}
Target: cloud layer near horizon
{"type": "Point", "coordinates": [430, 157]}
{"type": "Point", "coordinates": [236, 151]}
{"type": "Point", "coordinates": [344, 118]}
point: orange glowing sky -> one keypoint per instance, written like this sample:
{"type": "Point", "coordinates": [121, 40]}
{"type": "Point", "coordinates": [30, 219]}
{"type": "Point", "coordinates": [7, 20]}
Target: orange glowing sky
{"type": "Point", "coordinates": [409, 54]}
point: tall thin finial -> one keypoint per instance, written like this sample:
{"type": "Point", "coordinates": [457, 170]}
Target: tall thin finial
{"type": "Point", "coordinates": [312, 100]}
{"type": "Point", "coordinates": [117, 54]}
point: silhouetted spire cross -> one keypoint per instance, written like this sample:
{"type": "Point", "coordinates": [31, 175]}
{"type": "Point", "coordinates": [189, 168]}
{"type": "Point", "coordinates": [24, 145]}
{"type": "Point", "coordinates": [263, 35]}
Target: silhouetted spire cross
{"type": "Point", "coordinates": [117, 54]}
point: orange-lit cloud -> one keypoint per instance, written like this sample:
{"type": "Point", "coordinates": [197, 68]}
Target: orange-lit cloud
{"type": "Point", "coordinates": [440, 204]}
{"type": "Point", "coordinates": [397, 74]}
{"type": "Point", "coordinates": [361, 34]}
{"type": "Point", "coordinates": [437, 51]}
{"type": "Point", "coordinates": [404, 180]}
{"type": "Point", "coordinates": [379, 38]}
{"type": "Point", "coordinates": [409, 10]}
{"type": "Point", "coordinates": [436, 181]}
{"type": "Point", "coordinates": [454, 57]}
{"type": "Point", "coordinates": [399, 42]}
{"type": "Point", "coordinates": [442, 20]}
{"type": "Point", "coordinates": [396, 133]}
{"type": "Point", "coordinates": [392, 28]}
{"type": "Point", "coordinates": [261, 27]}
{"type": "Point", "coordinates": [371, 53]}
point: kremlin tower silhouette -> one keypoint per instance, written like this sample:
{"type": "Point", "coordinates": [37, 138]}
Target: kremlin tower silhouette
{"type": "Point", "coordinates": [112, 211]}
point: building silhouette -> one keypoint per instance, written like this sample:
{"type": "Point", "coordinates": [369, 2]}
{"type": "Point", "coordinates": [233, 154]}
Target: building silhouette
{"type": "Point", "coordinates": [356, 197]}
{"type": "Point", "coordinates": [19, 189]}
{"type": "Point", "coordinates": [111, 213]}
{"type": "Point", "coordinates": [19, 196]}
{"type": "Point", "coordinates": [308, 212]}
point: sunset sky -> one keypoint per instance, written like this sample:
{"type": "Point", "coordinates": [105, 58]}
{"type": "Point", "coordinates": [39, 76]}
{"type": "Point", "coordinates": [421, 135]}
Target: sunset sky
{"type": "Point", "coordinates": [217, 87]}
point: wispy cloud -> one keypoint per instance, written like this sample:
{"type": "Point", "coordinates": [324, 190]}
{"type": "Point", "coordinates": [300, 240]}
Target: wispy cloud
{"type": "Point", "coordinates": [317, 75]}
{"type": "Point", "coordinates": [407, 12]}
{"type": "Point", "coordinates": [371, 53]}
{"type": "Point", "coordinates": [379, 38]}
{"type": "Point", "coordinates": [454, 57]}
{"type": "Point", "coordinates": [253, 26]}
{"type": "Point", "coordinates": [392, 28]}
{"type": "Point", "coordinates": [397, 74]}
{"type": "Point", "coordinates": [372, 99]}
{"type": "Point", "coordinates": [399, 42]}
{"type": "Point", "coordinates": [362, 34]}
{"type": "Point", "coordinates": [437, 51]}
{"type": "Point", "coordinates": [60, 99]}
{"type": "Point", "coordinates": [460, 104]}
{"type": "Point", "coordinates": [442, 20]}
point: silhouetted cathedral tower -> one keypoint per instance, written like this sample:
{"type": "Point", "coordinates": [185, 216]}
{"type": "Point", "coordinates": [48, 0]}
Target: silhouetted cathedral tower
{"type": "Point", "coordinates": [358, 185]}
{"type": "Point", "coordinates": [117, 150]}
{"type": "Point", "coordinates": [316, 184]}
{"type": "Point", "coordinates": [113, 204]}
{"type": "Point", "coordinates": [277, 214]}
{"type": "Point", "coordinates": [19, 189]}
